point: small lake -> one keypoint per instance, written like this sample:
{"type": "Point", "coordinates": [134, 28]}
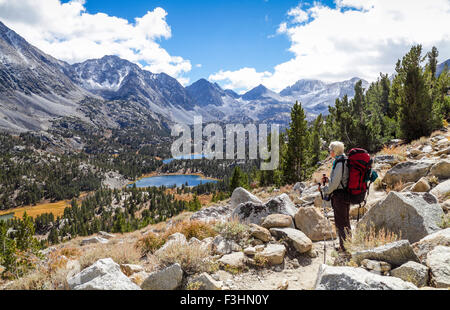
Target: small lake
{"type": "Point", "coordinates": [170, 180]}
{"type": "Point", "coordinates": [6, 217]}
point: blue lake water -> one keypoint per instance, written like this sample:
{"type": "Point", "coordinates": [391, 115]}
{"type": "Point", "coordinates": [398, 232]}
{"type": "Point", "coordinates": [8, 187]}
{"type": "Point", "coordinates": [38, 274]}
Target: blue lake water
{"type": "Point", "coordinates": [6, 217]}
{"type": "Point", "coordinates": [170, 180]}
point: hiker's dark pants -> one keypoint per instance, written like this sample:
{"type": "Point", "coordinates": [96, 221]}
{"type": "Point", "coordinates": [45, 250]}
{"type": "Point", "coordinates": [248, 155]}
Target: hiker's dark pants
{"type": "Point", "coordinates": [341, 209]}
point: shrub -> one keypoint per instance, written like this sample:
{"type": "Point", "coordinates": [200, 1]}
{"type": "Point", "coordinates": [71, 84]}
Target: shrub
{"type": "Point", "coordinates": [233, 229]}
{"type": "Point", "coordinates": [192, 258]}
{"type": "Point", "coordinates": [150, 243]}
{"type": "Point", "coordinates": [197, 229]}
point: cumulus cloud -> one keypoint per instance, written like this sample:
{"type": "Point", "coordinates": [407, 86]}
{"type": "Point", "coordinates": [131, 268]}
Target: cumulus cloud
{"type": "Point", "coordinates": [67, 32]}
{"type": "Point", "coordinates": [240, 80]}
{"type": "Point", "coordinates": [357, 38]}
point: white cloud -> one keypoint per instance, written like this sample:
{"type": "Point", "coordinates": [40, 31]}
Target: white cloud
{"type": "Point", "coordinates": [359, 38]}
{"type": "Point", "coordinates": [245, 78]}
{"type": "Point", "coordinates": [67, 32]}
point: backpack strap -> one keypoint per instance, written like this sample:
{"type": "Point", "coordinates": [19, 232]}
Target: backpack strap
{"type": "Point", "coordinates": [342, 160]}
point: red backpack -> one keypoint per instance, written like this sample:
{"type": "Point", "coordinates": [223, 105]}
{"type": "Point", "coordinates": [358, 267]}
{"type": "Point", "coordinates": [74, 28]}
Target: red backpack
{"type": "Point", "coordinates": [359, 166]}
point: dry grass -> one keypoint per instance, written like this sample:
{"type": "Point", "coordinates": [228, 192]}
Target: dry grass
{"type": "Point", "coordinates": [364, 238]}
{"type": "Point", "coordinates": [192, 258]}
{"type": "Point", "coordinates": [397, 187]}
{"type": "Point", "coordinates": [399, 150]}
{"type": "Point", "coordinates": [190, 229]}
{"type": "Point", "coordinates": [124, 253]}
{"type": "Point", "coordinates": [419, 142]}
{"type": "Point", "coordinates": [233, 229]}
{"type": "Point", "coordinates": [57, 208]}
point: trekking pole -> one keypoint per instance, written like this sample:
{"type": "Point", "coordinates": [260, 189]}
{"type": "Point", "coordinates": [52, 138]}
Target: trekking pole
{"type": "Point", "coordinates": [324, 214]}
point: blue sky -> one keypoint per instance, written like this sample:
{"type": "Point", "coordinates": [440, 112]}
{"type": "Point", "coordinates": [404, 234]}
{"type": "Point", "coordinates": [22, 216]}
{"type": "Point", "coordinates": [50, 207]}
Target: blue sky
{"type": "Point", "coordinates": [218, 34]}
{"type": "Point", "coordinates": [237, 43]}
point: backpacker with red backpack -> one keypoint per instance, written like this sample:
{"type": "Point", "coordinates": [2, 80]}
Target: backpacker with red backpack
{"type": "Point", "coordinates": [360, 173]}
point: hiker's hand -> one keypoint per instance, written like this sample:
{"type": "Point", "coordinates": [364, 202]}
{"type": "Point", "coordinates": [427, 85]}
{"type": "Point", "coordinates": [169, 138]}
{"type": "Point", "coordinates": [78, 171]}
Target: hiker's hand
{"type": "Point", "coordinates": [324, 179]}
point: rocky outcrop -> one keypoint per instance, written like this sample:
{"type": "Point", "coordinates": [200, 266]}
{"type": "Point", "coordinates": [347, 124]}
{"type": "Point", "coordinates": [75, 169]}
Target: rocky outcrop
{"type": "Point", "coordinates": [167, 279]}
{"type": "Point", "coordinates": [421, 186]}
{"type": "Point", "coordinates": [222, 246]}
{"type": "Point", "coordinates": [410, 215]}
{"type": "Point", "coordinates": [294, 237]}
{"type": "Point", "coordinates": [234, 260]}
{"type": "Point", "coordinates": [277, 220]}
{"type": "Point", "coordinates": [441, 169]}
{"type": "Point", "coordinates": [376, 266]}
{"type": "Point", "coordinates": [412, 272]}
{"type": "Point", "coordinates": [241, 195]}
{"type": "Point", "coordinates": [395, 253]}
{"type": "Point", "coordinates": [94, 240]}
{"type": "Point", "coordinates": [260, 233]}
{"type": "Point", "coordinates": [350, 278]}
{"type": "Point", "coordinates": [251, 212]}
{"type": "Point", "coordinates": [105, 235]}
{"type": "Point", "coordinates": [313, 224]}
{"type": "Point", "coordinates": [274, 253]}
{"type": "Point", "coordinates": [205, 282]}
{"type": "Point", "coordinates": [214, 213]}
{"type": "Point", "coordinates": [104, 274]}
{"type": "Point", "coordinates": [442, 189]}
{"type": "Point", "coordinates": [410, 171]}
{"type": "Point", "coordinates": [438, 260]}
{"type": "Point", "coordinates": [428, 243]}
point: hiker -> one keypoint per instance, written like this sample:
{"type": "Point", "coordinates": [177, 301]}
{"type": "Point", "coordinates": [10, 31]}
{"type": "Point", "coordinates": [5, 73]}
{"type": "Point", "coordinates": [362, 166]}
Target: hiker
{"type": "Point", "coordinates": [336, 190]}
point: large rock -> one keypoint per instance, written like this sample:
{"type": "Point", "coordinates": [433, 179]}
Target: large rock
{"type": "Point", "coordinates": [213, 213]}
{"type": "Point", "coordinates": [223, 246]}
{"type": "Point", "coordinates": [441, 169]}
{"type": "Point", "coordinates": [241, 195]}
{"type": "Point", "coordinates": [421, 186]}
{"type": "Point", "coordinates": [442, 189]}
{"type": "Point", "coordinates": [251, 212]}
{"type": "Point", "coordinates": [410, 171]}
{"type": "Point", "coordinates": [294, 237]}
{"type": "Point", "coordinates": [174, 240]}
{"type": "Point", "coordinates": [395, 253]}
{"type": "Point", "coordinates": [104, 274]}
{"type": "Point", "coordinates": [274, 253]}
{"type": "Point", "coordinates": [167, 279]}
{"type": "Point", "coordinates": [105, 235]}
{"type": "Point", "coordinates": [94, 240]}
{"type": "Point", "coordinates": [412, 272]}
{"type": "Point", "coordinates": [299, 187]}
{"type": "Point", "coordinates": [277, 220]}
{"type": "Point", "coordinates": [260, 232]}
{"type": "Point", "coordinates": [439, 262]}
{"type": "Point", "coordinates": [350, 278]}
{"type": "Point", "coordinates": [313, 224]}
{"type": "Point", "coordinates": [206, 282]}
{"type": "Point", "coordinates": [412, 216]}
{"type": "Point", "coordinates": [428, 243]}
{"type": "Point", "coordinates": [234, 260]}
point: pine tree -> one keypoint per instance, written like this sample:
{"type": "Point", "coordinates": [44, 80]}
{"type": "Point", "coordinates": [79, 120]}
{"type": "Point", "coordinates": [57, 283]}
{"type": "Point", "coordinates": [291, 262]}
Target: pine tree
{"type": "Point", "coordinates": [415, 113]}
{"type": "Point", "coordinates": [294, 165]}
{"type": "Point", "coordinates": [315, 140]}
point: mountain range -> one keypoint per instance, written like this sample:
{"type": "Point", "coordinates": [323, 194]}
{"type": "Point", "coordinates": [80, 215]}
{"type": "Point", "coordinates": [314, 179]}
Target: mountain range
{"type": "Point", "coordinates": [36, 88]}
